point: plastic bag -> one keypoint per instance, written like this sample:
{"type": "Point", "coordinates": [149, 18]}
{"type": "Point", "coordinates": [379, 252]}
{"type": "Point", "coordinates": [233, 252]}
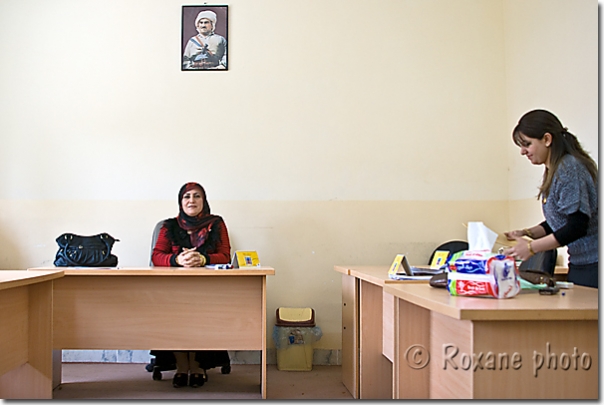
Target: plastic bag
{"type": "Point", "coordinates": [482, 273]}
{"type": "Point", "coordinates": [283, 336]}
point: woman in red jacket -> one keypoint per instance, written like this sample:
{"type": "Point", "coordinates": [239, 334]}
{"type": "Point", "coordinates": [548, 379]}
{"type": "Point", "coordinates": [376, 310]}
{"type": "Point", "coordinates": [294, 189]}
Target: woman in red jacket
{"type": "Point", "coordinates": [194, 238]}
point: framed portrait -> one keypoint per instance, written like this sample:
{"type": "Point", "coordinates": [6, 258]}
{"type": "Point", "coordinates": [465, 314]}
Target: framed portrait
{"type": "Point", "coordinates": [204, 38]}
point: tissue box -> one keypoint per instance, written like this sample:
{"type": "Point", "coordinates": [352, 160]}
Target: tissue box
{"type": "Point", "coordinates": [481, 273]}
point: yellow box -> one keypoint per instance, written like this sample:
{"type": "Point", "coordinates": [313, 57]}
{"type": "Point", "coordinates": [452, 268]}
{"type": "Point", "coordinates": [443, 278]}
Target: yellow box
{"type": "Point", "coordinates": [295, 357]}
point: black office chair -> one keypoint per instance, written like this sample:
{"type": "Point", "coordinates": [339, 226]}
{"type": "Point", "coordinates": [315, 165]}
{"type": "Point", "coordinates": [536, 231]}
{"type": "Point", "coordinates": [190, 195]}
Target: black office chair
{"type": "Point", "coordinates": [452, 246]}
{"type": "Point", "coordinates": [541, 261]}
{"type": "Point", "coordinates": [164, 359]}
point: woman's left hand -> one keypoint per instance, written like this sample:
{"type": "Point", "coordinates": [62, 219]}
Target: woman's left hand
{"type": "Point", "coordinates": [192, 258]}
{"type": "Point", "coordinates": [520, 251]}
{"type": "Point", "coordinates": [512, 235]}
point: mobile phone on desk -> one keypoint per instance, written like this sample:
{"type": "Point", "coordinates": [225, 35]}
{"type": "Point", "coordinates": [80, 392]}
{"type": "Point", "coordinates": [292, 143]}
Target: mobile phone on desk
{"type": "Point", "coordinates": [549, 290]}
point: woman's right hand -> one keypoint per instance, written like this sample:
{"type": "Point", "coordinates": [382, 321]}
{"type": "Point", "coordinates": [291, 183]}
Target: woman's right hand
{"type": "Point", "coordinates": [513, 235]}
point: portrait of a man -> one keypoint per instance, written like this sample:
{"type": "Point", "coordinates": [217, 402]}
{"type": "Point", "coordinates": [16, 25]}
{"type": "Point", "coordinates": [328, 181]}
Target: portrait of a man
{"type": "Point", "coordinates": [204, 38]}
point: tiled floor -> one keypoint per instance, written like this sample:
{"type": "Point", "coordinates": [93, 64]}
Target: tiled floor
{"type": "Point", "coordinates": [132, 381]}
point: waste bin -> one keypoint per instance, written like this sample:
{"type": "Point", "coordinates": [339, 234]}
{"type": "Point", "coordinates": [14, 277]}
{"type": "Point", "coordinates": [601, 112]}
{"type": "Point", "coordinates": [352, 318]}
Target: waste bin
{"type": "Point", "coordinates": [294, 333]}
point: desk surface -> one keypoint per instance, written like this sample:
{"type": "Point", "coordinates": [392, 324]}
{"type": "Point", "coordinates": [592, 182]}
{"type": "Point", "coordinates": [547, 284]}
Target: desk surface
{"type": "Point", "coordinates": [158, 271]}
{"type": "Point", "coordinates": [18, 278]}
{"type": "Point", "coordinates": [374, 274]}
{"type": "Point", "coordinates": [577, 303]}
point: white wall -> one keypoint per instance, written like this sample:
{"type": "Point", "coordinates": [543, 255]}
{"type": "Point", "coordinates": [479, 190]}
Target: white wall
{"type": "Point", "coordinates": [344, 132]}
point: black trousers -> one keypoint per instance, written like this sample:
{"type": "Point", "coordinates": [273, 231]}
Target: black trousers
{"type": "Point", "coordinates": [165, 359]}
{"type": "Point", "coordinates": [585, 275]}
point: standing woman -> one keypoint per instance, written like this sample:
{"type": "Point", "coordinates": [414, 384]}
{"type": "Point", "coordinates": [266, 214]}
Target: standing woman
{"type": "Point", "coordinates": [194, 238]}
{"type": "Point", "coordinates": [569, 193]}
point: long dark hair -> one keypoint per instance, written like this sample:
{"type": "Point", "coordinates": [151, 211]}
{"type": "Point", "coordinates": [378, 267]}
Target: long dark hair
{"type": "Point", "coordinates": [535, 124]}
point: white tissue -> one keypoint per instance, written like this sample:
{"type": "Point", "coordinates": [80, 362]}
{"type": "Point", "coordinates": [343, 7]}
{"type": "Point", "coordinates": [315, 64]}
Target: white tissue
{"type": "Point", "coordinates": [480, 237]}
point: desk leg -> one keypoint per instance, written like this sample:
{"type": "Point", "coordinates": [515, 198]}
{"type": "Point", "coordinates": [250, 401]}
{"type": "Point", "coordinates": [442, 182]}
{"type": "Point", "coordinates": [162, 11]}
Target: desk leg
{"type": "Point", "coordinates": [26, 343]}
{"type": "Point", "coordinates": [350, 335]}
{"type": "Point", "coordinates": [57, 368]}
{"type": "Point", "coordinates": [412, 358]}
{"type": "Point", "coordinates": [375, 380]}
{"type": "Point", "coordinates": [389, 316]}
{"type": "Point", "coordinates": [263, 354]}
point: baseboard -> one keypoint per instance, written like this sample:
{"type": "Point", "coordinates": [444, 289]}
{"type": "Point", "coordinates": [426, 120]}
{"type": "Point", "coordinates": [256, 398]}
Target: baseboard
{"type": "Point", "coordinates": [321, 357]}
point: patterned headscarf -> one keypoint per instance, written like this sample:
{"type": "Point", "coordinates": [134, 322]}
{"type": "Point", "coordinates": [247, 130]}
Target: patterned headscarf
{"type": "Point", "coordinates": [200, 225]}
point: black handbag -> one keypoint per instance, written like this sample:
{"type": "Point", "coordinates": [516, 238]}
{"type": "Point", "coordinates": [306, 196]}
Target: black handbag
{"type": "Point", "coordinates": [538, 277]}
{"type": "Point", "coordinates": [85, 251]}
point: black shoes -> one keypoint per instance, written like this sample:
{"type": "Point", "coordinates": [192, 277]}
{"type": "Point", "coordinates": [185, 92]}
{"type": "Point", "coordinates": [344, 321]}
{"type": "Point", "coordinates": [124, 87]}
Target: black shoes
{"type": "Point", "coordinates": [180, 380]}
{"type": "Point", "coordinates": [196, 380]}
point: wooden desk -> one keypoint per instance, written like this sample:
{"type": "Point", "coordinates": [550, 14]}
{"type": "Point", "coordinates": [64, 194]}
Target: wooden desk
{"type": "Point", "coordinates": [522, 328]}
{"type": "Point", "coordinates": [162, 308]}
{"type": "Point", "coordinates": [367, 314]}
{"type": "Point", "coordinates": [26, 337]}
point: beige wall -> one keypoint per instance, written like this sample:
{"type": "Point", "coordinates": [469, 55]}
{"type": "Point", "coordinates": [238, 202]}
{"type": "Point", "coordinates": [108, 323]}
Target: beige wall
{"type": "Point", "coordinates": [551, 57]}
{"type": "Point", "coordinates": [344, 132]}
{"type": "Point", "coordinates": [551, 53]}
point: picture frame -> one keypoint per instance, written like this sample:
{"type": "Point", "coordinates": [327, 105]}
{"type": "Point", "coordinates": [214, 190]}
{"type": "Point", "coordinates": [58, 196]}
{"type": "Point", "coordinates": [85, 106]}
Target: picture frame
{"type": "Point", "coordinates": [204, 38]}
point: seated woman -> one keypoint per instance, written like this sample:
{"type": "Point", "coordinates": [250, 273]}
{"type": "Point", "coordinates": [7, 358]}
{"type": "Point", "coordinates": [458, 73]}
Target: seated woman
{"type": "Point", "coordinates": [194, 238]}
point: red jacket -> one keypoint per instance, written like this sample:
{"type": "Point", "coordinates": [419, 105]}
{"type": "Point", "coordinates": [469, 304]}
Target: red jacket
{"type": "Point", "coordinates": [172, 239]}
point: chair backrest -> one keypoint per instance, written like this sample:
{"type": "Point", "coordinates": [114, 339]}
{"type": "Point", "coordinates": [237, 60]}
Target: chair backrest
{"type": "Point", "coordinates": [154, 239]}
{"type": "Point", "coordinates": [452, 246]}
{"type": "Point", "coordinates": [542, 261]}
